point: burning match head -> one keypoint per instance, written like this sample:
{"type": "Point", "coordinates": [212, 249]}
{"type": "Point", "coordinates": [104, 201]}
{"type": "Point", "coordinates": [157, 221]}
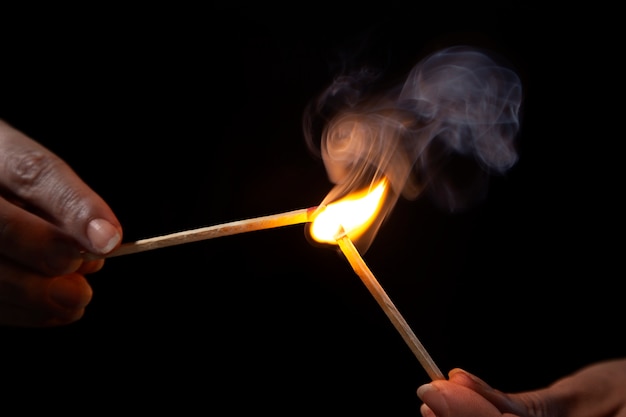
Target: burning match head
{"type": "Point", "coordinates": [355, 215]}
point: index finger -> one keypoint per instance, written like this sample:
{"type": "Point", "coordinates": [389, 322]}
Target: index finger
{"type": "Point", "coordinates": [36, 176]}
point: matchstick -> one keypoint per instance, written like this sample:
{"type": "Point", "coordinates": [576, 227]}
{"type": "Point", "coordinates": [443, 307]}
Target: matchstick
{"type": "Point", "coordinates": [212, 232]}
{"type": "Point", "coordinates": [368, 278]}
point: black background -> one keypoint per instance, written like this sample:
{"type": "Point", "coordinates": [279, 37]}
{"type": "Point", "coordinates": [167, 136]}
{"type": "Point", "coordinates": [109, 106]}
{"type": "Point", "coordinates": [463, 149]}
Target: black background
{"type": "Point", "coordinates": [185, 117]}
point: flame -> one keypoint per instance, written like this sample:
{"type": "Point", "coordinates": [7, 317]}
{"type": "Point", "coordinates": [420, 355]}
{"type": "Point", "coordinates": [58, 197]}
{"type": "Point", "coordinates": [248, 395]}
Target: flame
{"type": "Point", "coordinates": [351, 215]}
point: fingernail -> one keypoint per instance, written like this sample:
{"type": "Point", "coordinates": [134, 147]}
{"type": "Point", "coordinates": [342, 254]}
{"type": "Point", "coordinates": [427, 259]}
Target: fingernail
{"type": "Point", "coordinates": [433, 398]}
{"type": "Point", "coordinates": [422, 390]}
{"type": "Point", "coordinates": [460, 374]}
{"type": "Point", "coordinates": [103, 235]}
{"type": "Point", "coordinates": [69, 293]}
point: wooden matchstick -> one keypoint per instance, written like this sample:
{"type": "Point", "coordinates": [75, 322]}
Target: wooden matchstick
{"type": "Point", "coordinates": [368, 278]}
{"type": "Point", "coordinates": [212, 232]}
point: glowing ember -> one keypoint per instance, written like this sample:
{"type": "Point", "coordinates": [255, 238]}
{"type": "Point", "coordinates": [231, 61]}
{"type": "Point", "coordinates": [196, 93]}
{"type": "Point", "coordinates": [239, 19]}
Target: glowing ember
{"type": "Point", "coordinates": [351, 215]}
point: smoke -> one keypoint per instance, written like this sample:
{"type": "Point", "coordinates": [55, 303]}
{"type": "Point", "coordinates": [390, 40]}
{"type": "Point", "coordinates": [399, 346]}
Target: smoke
{"type": "Point", "coordinates": [444, 131]}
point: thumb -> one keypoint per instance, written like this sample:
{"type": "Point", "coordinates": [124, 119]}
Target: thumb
{"type": "Point", "coordinates": [446, 399]}
{"type": "Point", "coordinates": [46, 185]}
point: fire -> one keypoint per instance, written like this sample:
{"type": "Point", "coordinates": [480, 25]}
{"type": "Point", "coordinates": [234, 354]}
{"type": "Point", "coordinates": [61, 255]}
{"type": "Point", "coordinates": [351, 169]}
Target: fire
{"type": "Point", "coordinates": [351, 215]}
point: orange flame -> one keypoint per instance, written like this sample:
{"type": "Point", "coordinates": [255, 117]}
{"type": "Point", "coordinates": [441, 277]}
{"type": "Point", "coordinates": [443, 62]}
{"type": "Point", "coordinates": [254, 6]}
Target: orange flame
{"type": "Point", "coordinates": [351, 215]}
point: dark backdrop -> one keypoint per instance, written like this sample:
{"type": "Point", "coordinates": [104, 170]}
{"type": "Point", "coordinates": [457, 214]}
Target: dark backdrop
{"type": "Point", "coordinates": [190, 117]}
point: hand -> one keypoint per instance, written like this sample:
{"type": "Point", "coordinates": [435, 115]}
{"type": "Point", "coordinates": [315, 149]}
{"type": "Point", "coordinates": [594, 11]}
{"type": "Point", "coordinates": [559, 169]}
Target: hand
{"type": "Point", "coordinates": [595, 391]}
{"type": "Point", "coordinates": [48, 217]}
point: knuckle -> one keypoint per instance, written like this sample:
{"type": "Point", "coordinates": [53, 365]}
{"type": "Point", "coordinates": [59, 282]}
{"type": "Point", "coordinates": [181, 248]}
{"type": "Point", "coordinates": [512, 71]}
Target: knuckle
{"type": "Point", "coordinates": [30, 169]}
{"type": "Point", "coordinates": [35, 174]}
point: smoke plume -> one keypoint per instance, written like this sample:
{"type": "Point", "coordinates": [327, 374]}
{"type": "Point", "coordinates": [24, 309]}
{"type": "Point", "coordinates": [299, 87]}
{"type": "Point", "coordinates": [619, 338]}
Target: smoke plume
{"type": "Point", "coordinates": [444, 131]}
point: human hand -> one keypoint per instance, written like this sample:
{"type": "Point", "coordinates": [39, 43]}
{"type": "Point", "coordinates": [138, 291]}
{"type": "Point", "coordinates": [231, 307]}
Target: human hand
{"type": "Point", "coordinates": [465, 395]}
{"type": "Point", "coordinates": [597, 390]}
{"type": "Point", "coordinates": [48, 217]}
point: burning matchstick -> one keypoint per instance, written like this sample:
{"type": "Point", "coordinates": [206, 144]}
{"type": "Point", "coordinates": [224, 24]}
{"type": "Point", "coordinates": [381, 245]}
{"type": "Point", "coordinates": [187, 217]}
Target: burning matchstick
{"type": "Point", "coordinates": [212, 232]}
{"type": "Point", "coordinates": [362, 270]}
{"type": "Point", "coordinates": [331, 214]}
{"type": "Point", "coordinates": [344, 220]}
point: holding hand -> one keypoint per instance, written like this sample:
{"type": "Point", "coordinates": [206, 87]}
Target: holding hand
{"type": "Point", "coordinates": [598, 390]}
{"type": "Point", "coordinates": [48, 217]}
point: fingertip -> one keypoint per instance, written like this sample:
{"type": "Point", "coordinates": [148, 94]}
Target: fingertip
{"type": "Point", "coordinates": [67, 319]}
{"type": "Point", "coordinates": [423, 389]}
{"type": "Point", "coordinates": [462, 377]}
{"type": "Point", "coordinates": [103, 235]}
{"type": "Point", "coordinates": [425, 411]}
{"type": "Point", "coordinates": [70, 292]}
{"type": "Point", "coordinates": [91, 266]}
{"type": "Point", "coordinates": [432, 396]}
{"type": "Point", "coordinates": [470, 381]}
{"type": "Point", "coordinates": [456, 372]}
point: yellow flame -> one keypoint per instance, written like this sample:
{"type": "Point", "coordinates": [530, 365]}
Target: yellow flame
{"type": "Point", "coordinates": [351, 215]}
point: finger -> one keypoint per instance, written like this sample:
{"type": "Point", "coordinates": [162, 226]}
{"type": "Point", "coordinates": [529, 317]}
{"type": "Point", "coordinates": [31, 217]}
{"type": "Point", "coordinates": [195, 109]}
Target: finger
{"type": "Point", "coordinates": [41, 179]}
{"type": "Point", "coordinates": [90, 267]}
{"type": "Point", "coordinates": [18, 316]}
{"type": "Point", "coordinates": [447, 399]}
{"type": "Point", "coordinates": [27, 298]}
{"type": "Point", "coordinates": [426, 411]}
{"type": "Point", "coordinates": [504, 402]}
{"type": "Point", "coordinates": [35, 243]}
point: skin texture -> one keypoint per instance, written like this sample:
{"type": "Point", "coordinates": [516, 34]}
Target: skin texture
{"type": "Point", "coordinates": [598, 390]}
{"type": "Point", "coordinates": [48, 218]}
